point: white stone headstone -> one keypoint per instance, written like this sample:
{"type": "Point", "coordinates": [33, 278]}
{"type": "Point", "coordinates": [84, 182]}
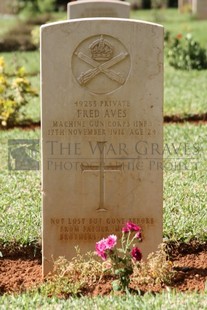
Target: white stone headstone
{"type": "Point", "coordinates": [102, 92]}
{"type": "Point", "coordinates": [7, 7]}
{"type": "Point", "coordinates": [98, 8]}
{"type": "Point", "coordinates": [184, 5]}
{"type": "Point", "coordinates": [199, 8]}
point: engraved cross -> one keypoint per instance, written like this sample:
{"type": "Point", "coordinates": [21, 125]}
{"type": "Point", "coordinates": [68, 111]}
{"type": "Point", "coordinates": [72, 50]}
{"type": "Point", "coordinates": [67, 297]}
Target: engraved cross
{"type": "Point", "coordinates": [102, 168]}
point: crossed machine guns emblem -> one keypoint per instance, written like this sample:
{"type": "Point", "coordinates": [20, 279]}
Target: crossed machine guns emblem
{"type": "Point", "coordinates": [101, 60]}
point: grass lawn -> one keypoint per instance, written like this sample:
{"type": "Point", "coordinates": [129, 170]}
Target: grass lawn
{"type": "Point", "coordinates": [185, 93]}
{"type": "Point", "coordinates": [6, 22]}
{"type": "Point", "coordinates": [164, 301]}
{"type": "Point", "coordinates": [174, 22]}
{"type": "Point", "coordinates": [185, 182]}
{"type": "Point", "coordinates": [29, 60]}
{"type": "Point", "coordinates": [20, 195]}
{"type": "Point", "coordinates": [185, 176]}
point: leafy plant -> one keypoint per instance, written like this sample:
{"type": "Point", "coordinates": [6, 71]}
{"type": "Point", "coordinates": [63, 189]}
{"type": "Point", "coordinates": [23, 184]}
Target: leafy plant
{"type": "Point", "coordinates": [123, 266]}
{"type": "Point", "coordinates": [121, 260]}
{"type": "Point", "coordinates": [14, 94]}
{"type": "Point", "coordinates": [31, 7]}
{"type": "Point", "coordinates": [157, 269]}
{"type": "Point", "coordinates": [18, 38]}
{"type": "Point", "coordinates": [185, 53]}
{"type": "Point", "coordinates": [71, 277]}
{"type": "Point", "coordinates": [35, 33]}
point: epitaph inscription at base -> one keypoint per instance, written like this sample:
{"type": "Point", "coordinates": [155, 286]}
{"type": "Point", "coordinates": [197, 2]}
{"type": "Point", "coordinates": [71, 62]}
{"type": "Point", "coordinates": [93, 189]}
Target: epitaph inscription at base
{"type": "Point", "coordinates": [102, 85]}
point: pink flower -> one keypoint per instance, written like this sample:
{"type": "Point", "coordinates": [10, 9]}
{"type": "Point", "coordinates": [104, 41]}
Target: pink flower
{"type": "Point", "coordinates": [130, 227]}
{"type": "Point", "coordinates": [105, 244]}
{"type": "Point", "coordinates": [138, 235]}
{"type": "Point", "coordinates": [102, 255]}
{"type": "Point", "coordinates": [111, 241]}
{"type": "Point", "coordinates": [136, 254]}
{"type": "Point", "coordinates": [101, 245]}
{"type": "Point", "coordinates": [100, 249]}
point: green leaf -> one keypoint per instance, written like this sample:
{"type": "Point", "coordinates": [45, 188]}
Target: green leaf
{"type": "Point", "coordinates": [119, 271]}
{"type": "Point", "coordinates": [116, 285]}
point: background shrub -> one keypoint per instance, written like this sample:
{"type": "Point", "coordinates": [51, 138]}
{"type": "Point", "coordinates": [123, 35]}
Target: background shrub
{"type": "Point", "coordinates": [20, 37]}
{"type": "Point", "coordinates": [185, 53]}
{"type": "Point", "coordinates": [33, 7]}
{"type": "Point", "coordinates": [14, 94]}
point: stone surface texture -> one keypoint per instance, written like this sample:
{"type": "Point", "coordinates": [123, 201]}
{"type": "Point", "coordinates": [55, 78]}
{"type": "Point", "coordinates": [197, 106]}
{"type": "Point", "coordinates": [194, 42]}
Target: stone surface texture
{"type": "Point", "coordinates": [184, 5]}
{"type": "Point", "coordinates": [7, 6]}
{"type": "Point", "coordinates": [199, 8]}
{"type": "Point", "coordinates": [99, 8]}
{"type": "Point", "coordinates": [102, 93]}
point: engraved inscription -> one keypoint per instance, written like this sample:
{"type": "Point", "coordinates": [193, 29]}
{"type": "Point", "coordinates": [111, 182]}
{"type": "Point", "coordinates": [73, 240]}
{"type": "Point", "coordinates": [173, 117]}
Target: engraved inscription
{"type": "Point", "coordinates": [101, 168]}
{"type": "Point", "coordinates": [101, 64]}
{"type": "Point", "coordinates": [101, 122]}
{"type": "Point", "coordinates": [83, 229]}
{"type": "Point", "coordinates": [102, 118]}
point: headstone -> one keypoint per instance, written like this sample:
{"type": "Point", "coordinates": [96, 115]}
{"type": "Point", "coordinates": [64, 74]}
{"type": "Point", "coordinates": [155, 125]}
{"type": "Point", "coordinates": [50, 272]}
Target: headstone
{"type": "Point", "coordinates": [184, 6]}
{"type": "Point", "coordinates": [7, 7]}
{"type": "Point", "coordinates": [199, 8]}
{"type": "Point", "coordinates": [99, 8]}
{"type": "Point", "coordinates": [102, 88]}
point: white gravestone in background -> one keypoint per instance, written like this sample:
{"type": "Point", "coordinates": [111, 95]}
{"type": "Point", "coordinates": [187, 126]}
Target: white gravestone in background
{"type": "Point", "coordinates": [99, 8]}
{"type": "Point", "coordinates": [102, 92]}
{"type": "Point", "coordinates": [199, 8]}
{"type": "Point", "coordinates": [184, 5]}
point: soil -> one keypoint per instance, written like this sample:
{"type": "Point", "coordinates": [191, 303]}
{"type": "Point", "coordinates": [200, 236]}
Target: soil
{"type": "Point", "coordinates": [20, 269]}
{"type": "Point", "coordinates": [196, 119]}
